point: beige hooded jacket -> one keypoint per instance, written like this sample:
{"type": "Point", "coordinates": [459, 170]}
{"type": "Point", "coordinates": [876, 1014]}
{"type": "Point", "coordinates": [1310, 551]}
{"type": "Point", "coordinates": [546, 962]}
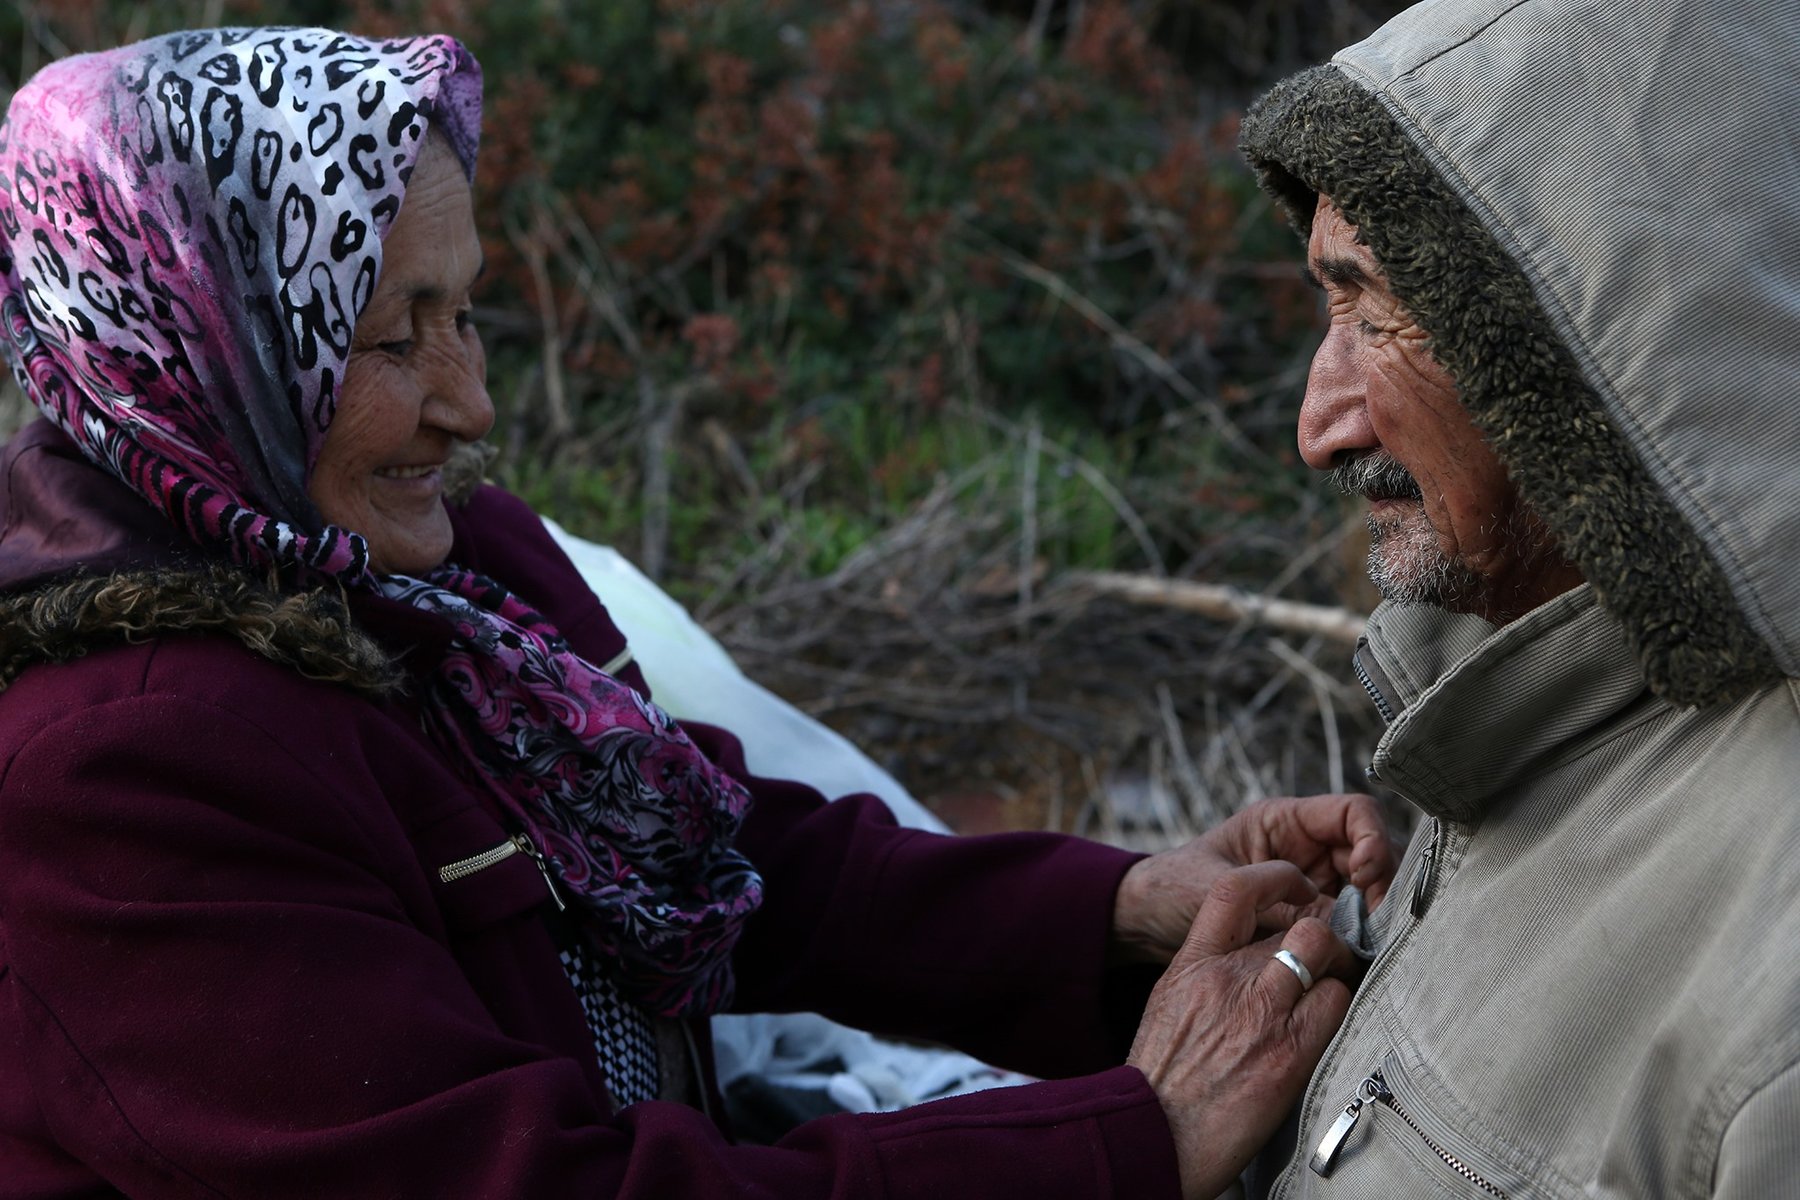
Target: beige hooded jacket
{"type": "Point", "coordinates": [1587, 983]}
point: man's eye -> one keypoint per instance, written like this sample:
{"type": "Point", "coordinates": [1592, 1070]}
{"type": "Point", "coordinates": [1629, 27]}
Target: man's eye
{"type": "Point", "coordinates": [1367, 328]}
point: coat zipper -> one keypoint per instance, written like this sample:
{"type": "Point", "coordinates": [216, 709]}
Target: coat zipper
{"type": "Point", "coordinates": [1374, 1090]}
{"type": "Point", "coordinates": [1324, 1158]}
{"type": "Point", "coordinates": [1377, 970]}
{"type": "Point", "coordinates": [518, 843]}
{"type": "Point", "coordinates": [462, 868]}
{"type": "Point", "coordinates": [1428, 862]}
{"type": "Point", "coordinates": [1368, 682]}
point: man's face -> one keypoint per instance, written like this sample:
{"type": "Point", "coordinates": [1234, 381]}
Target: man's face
{"type": "Point", "coordinates": [1447, 526]}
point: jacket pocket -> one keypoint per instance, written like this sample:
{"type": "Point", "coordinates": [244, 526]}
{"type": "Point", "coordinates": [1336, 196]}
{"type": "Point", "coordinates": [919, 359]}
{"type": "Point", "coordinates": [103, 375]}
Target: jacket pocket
{"type": "Point", "coordinates": [1385, 1141]}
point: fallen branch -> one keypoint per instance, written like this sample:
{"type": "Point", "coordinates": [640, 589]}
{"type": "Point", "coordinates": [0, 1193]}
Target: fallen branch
{"type": "Point", "coordinates": [1226, 604]}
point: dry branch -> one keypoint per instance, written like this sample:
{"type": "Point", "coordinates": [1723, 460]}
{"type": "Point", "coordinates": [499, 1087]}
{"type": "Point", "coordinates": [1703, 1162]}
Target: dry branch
{"type": "Point", "coordinates": [1123, 339]}
{"type": "Point", "coordinates": [1226, 604]}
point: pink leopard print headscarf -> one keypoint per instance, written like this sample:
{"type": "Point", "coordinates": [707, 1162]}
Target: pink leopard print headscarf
{"type": "Point", "coordinates": [189, 229]}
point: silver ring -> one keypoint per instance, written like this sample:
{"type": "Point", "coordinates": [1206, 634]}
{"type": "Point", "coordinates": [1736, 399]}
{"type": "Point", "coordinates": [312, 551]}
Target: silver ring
{"type": "Point", "coordinates": [1286, 958]}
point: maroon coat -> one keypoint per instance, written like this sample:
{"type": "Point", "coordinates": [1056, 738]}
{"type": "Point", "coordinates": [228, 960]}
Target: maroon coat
{"type": "Point", "coordinates": [228, 966]}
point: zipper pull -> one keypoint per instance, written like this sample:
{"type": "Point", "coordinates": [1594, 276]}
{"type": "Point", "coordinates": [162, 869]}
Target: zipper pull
{"type": "Point", "coordinates": [1324, 1158]}
{"type": "Point", "coordinates": [543, 865]}
{"type": "Point", "coordinates": [1421, 893]}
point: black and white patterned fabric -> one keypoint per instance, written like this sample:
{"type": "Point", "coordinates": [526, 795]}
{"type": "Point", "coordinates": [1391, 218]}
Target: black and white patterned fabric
{"type": "Point", "coordinates": [624, 1035]}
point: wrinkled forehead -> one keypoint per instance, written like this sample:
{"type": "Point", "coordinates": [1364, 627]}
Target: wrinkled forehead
{"type": "Point", "coordinates": [1335, 250]}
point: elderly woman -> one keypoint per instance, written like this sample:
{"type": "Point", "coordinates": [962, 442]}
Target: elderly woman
{"type": "Point", "coordinates": [342, 852]}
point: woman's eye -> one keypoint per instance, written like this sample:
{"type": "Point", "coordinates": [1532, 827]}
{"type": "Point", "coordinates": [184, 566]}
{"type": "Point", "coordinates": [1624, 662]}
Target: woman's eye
{"type": "Point", "coordinates": [462, 320]}
{"type": "Point", "coordinates": [398, 349]}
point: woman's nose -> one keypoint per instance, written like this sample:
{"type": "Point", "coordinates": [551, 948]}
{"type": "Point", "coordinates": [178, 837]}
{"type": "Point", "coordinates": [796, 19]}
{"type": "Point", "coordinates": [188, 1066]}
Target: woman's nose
{"type": "Point", "coordinates": [458, 395]}
{"type": "Point", "coordinates": [1334, 418]}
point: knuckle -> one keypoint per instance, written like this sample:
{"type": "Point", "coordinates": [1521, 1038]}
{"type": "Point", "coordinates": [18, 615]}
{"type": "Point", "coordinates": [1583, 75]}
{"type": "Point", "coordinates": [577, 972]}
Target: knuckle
{"type": "Point", "coordinates": [1229, 888]}
{"type": "Point", "coordinates": [1310, 938]}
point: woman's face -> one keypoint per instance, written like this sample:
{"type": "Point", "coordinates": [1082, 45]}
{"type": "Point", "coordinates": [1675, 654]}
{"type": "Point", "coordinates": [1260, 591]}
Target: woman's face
{"type": "Point", "coordinates": [416, 382]}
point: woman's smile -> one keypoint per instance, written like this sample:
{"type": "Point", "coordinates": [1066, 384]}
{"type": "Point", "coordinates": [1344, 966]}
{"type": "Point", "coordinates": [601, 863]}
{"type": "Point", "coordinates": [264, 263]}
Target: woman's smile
{"type": "Point", "coordinates": [415, 384]}
{"type": "Point", "coordinates": [409, 473]}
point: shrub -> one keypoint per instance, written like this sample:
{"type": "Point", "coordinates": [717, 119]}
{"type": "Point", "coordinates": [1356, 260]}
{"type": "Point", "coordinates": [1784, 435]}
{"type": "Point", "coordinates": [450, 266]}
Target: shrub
{"type": "Point", "coordinates": [775, 282]}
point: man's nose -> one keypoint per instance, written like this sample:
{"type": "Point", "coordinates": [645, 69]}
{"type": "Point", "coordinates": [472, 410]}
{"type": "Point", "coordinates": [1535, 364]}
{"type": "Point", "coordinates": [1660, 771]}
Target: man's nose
{"type": "Point", "coordinates": [1334, 418]}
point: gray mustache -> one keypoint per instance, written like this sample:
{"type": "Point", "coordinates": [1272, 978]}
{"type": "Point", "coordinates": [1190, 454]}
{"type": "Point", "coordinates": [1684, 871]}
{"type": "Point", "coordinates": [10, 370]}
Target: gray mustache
{"type": "Point", "coordinates": [1375, 476]}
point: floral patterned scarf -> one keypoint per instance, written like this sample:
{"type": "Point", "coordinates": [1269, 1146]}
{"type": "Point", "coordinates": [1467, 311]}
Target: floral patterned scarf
{"type": "Point", "coordinates": [189, 229]}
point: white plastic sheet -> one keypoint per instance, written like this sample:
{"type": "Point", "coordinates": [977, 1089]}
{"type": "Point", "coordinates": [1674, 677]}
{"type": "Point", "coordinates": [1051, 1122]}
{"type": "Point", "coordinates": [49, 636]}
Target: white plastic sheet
{"type": "Point", "coordinates": [693, 678]}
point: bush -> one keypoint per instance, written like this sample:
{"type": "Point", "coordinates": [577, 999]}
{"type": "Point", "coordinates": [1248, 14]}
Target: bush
{"type": "Point", "coordinates": [777, 285]}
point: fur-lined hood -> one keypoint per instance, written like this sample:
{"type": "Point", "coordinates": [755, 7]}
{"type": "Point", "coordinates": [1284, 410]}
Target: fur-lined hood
{"type": "Point", "coordinates": [1592, 209]}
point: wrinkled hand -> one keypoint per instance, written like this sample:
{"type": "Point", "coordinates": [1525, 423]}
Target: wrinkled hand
{"type": "Point", "coordinates": [1332, 839]}
{"type": "Point", "coordinates": [1229, 1037]}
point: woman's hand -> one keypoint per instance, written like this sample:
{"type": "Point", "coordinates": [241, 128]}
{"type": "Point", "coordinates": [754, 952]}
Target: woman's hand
{"type": "Point", "coordinates": [1332, 839]}
{"type": "Point", "coordinates": [1231, 1035]}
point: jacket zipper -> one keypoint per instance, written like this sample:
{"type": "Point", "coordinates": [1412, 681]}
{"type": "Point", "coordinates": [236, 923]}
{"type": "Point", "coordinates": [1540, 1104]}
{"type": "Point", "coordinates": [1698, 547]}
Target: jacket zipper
{"type": "Point", "coordinates": [1428, 861]}
{"type": "Point", "coordinates": [1377, 970]}
{"type": "Point", "coordinates": [1374, 1090]}
{"type": "Point", "coordinates": [1381, 702]}
{"type": "Point", "coordinates": [518, 843]}
{"type": "Point", "coordinates": [462, 868]}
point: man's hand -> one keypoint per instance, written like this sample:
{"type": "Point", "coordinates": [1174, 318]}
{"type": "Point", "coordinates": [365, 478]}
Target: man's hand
{"type": "Point", "coordinates": [1333, 840]}
{"type": "Point", "coordinates": [1230, 1035]}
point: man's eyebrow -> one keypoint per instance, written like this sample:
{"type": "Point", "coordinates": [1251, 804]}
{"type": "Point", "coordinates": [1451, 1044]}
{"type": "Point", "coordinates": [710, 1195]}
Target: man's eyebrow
{"type": "Point", "coordinates": [1343, 272]}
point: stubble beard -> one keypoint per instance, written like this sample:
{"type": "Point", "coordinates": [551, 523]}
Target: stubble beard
{"type": "Point", "coordinates": [1407, 563]}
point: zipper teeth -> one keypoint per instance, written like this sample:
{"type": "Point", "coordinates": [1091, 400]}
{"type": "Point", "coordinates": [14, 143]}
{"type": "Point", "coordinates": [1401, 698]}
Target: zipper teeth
{"type": "Point", "coordinates": [464, 867]}
{"type": "Point", "coordinates": [1381, 705]}
{"type": "Point", "coordinates": [1285, 1185]}
{"type": "Point", "coordinates": [1456, 1164]}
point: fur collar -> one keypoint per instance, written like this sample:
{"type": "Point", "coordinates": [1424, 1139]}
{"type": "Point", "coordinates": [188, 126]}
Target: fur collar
{"type": "Point", "coordinates": [311, 631]}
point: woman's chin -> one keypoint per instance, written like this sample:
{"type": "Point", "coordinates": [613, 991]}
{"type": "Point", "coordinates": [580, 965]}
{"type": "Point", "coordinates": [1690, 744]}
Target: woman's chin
{"type": "Point", "coordinates": [413, 547]}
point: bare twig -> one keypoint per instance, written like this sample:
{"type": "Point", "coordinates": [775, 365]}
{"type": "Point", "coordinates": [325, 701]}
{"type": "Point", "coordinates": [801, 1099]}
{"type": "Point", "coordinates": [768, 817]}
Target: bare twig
{"type": "Point", "coordinates": [1200, 802]}
{"type": "Point", "coordinates": [658, 417]}
{"type": "Point", "coordinates": [1096, 479]}
{"type": "Point", "coordinates": [1251, 780]}
{"type": "Point", "coordinates": [530, 246]}
{"type": "Point", "coordinates": [1322, 689]}
{"type": "Point", "coordinates": [1033, 40]}
{"type": "Point", "coordinates": [1028, 533]}
{"type": "Point", "coordinates": [1226, 604]}
{"type": "Point", "coordinates": [1058, 287]}
{"type": "Point", "coordinates": [1303, 561]}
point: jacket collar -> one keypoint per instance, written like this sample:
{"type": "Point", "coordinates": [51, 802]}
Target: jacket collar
{"type": "Point", "coordinates": [61, 516]}
{"type": "Point", "coordinates": [1476, 710]}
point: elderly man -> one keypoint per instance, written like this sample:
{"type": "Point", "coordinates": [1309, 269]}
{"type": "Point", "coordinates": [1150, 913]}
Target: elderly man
{"type": "Point", "coordinates": [1557, 239]}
